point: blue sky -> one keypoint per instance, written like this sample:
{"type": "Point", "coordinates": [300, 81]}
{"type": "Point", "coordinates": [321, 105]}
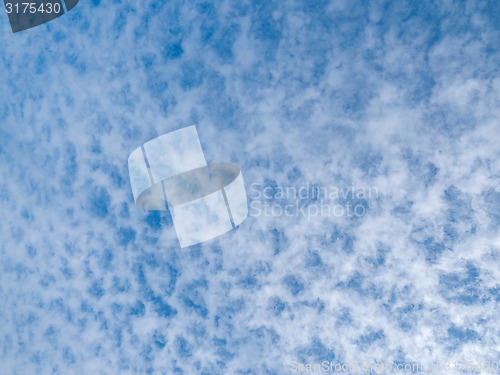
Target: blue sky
{"type": "Point", "coordinates": [399, 96]}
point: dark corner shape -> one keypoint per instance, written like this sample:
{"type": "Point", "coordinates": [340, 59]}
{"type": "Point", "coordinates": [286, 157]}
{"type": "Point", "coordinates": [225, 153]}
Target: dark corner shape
{"type": "Point", "coordinates": [25, 14]}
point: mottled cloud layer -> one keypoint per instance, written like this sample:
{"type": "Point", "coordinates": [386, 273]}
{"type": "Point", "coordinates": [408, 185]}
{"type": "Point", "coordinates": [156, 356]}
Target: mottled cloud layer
{"type": "Point", "coordinates": [398, 96]}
